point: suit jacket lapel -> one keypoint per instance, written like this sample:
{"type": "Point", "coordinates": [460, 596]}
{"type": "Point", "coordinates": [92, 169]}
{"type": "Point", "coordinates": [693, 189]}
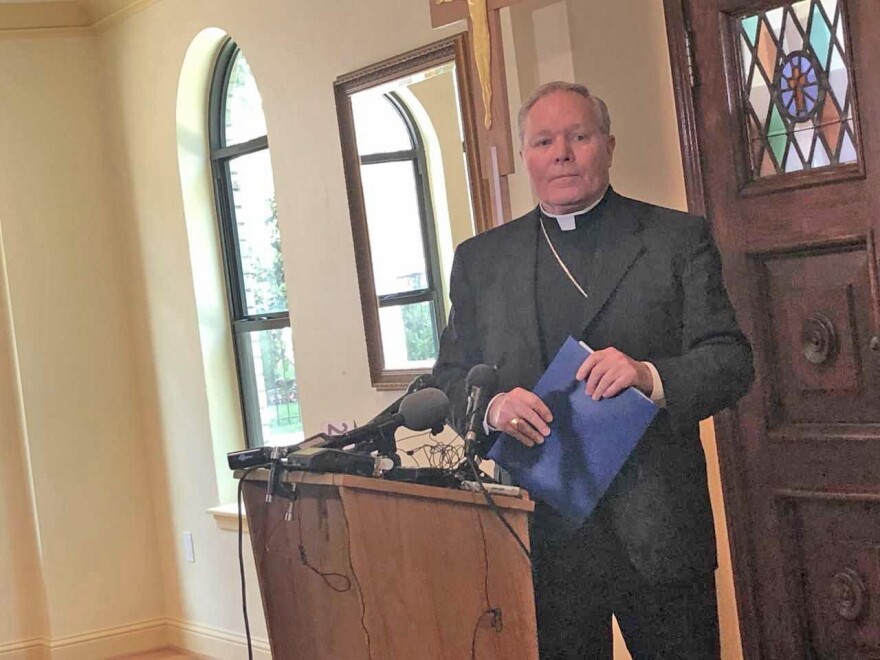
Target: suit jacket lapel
{"type": "Point", "coordinates": [619, 245]}
{"type": "Point", "coordinates": [519, 255]}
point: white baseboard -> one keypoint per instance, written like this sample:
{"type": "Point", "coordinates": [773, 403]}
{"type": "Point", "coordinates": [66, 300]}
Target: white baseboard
{"type": "Point", "coordinates": [28, 649]}
{"type": "Point", "coordinates": [214, 642]}
{"type": "Point", "coordinates": [120, 641]}
{"type": "Point", "coordinates": [111, 642]}
{"type": "Point", "coordinates": [105, 643]}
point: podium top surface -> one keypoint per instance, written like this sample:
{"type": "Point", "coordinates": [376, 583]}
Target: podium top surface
{"type": "Point", "coordinates": [386, 486]}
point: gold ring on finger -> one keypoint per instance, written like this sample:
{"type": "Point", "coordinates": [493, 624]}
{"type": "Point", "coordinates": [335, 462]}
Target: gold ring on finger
{"type": "Point", "coordinates": [514, 423]}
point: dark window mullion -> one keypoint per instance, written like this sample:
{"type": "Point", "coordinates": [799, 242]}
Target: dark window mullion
{"type": "Point", "coordinates": [395, 299]}
{"type": "Point", "coordinates": [217, 95]}
{"type": "Point", "coordinates": [429, 231]}
{"type": "Point", "coordinates": [389, 157]}
{"type": "Point", "coordinates": [248, 388]}
{"type": "Point", "coordinates": [244, 326]}
{"type": "Point", "coordinates": [240, 149]}
{"type": "Point", "coordinates": [230, 241]}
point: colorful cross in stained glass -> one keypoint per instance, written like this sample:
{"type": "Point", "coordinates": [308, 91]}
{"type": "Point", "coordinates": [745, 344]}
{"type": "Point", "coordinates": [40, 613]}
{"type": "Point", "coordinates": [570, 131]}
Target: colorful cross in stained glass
{"type": "Point", "coordinates": [796, 87]}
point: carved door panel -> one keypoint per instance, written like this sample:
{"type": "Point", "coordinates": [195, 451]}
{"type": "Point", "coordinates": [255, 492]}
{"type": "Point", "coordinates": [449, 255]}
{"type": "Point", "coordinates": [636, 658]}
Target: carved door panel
{"type": "Point", "coordinates": [779, 104]}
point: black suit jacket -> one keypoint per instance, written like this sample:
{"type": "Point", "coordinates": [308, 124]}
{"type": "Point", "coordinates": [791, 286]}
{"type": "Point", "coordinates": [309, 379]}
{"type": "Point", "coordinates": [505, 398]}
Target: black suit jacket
{"type": "Point", "coordinates": [655, 293]}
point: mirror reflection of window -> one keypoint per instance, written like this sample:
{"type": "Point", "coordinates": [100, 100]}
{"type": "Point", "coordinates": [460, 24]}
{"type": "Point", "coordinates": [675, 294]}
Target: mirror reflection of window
{"type": "Point", "coordinates": [413, 177]}
{"type": "Point", "coordinates": [415, 191]}
{"type": "Point", "coordinates": [400, 218]}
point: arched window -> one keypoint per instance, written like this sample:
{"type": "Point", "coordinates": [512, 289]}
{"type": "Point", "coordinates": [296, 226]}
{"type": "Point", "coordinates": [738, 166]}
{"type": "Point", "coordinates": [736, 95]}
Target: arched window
{"type": "Point", "coordinates": [402, 236]}
{"type": "Point", "coordinates": [251, 243]}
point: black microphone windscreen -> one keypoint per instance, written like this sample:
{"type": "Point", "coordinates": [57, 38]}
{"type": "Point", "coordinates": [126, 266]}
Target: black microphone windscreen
{"type": "Point", "coordinates": [424, 409]}
{"type": "Point", "coordinates": [482, 376]}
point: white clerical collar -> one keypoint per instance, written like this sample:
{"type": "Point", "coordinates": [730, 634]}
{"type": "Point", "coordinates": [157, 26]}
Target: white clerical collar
{"type": "Point", "coordinates": [566, 221]}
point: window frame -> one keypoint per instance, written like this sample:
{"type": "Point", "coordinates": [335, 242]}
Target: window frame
{"type": "Point", "coordinates": [242, 324]}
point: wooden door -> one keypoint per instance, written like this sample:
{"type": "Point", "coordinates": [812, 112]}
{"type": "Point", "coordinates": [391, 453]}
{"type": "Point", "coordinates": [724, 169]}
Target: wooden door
{"type": "Point", "coordinates": [779, 105]}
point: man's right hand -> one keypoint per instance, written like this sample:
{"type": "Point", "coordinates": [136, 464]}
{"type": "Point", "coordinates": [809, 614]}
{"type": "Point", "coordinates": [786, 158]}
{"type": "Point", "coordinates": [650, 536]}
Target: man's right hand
{"type": "Point", "coordinates": [522, 415]}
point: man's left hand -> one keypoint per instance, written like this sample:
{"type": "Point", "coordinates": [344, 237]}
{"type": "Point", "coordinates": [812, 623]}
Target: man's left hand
{"type": "Point", "coordinates": [608, 372]}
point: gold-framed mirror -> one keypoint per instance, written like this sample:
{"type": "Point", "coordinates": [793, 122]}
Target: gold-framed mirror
{"type": "Point", "coordinates": [415, 191]}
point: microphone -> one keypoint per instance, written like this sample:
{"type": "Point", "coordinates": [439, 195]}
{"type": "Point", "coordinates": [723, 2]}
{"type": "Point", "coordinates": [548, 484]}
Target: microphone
{"type": "Point", "coordinates": [425, 409]}
{"type": "Point", "coordinates": [481, 384]}
{"type": "Point", "coordinates": [419, 411]}
{"type": "Point", "coordinates": [274, 480]}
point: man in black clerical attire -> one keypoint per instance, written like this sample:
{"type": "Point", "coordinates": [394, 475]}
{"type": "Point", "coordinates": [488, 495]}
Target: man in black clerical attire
{"type": "Point", "coordinates": [642, 286]}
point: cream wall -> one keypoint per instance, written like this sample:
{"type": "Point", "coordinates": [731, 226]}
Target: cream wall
{"type": "Point", "coordinates": [295, 65]}
{"type": "Point", "coordinates": [70, 392]}
{"type": "Point", "coordinates": [619, 51]}
{"type": "Point", "coordinates": [452, 214]}
{"type": "Point", "coordinates": [22, 595]}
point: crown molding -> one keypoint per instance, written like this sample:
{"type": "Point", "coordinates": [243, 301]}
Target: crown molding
{"type": "Point", "coordinates": [116, 17]}
{"type": "Point", "coordinates": [22, 34]}
{"type": "Point", "coordinates": [58, 17]}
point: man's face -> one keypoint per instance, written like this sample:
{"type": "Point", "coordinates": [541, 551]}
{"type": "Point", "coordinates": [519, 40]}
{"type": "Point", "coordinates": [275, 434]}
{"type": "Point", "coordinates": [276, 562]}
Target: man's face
{"type": "Point", "coordinates": [567, 156]}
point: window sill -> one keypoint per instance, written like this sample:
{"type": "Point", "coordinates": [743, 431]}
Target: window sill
{"type": "Point", "coordinates": [226, 517]}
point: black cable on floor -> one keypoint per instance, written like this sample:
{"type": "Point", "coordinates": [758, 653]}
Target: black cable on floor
{"type": "Point", "coordinates": [247, 625]}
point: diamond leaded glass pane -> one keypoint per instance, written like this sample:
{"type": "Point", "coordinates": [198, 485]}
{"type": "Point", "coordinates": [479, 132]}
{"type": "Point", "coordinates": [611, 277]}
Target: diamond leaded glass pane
{"type": "Point", "coordinates": [796, 83]}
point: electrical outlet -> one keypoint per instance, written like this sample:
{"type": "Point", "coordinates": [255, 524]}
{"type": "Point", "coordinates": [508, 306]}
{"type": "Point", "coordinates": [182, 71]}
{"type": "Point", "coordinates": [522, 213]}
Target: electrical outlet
{"type": "Point", "coordinates": [188, 548]}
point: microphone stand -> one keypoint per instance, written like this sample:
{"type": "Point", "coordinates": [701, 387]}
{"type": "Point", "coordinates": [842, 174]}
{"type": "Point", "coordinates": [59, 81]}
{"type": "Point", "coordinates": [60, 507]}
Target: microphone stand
{"type": "Point", "coordinates": [272, 482]}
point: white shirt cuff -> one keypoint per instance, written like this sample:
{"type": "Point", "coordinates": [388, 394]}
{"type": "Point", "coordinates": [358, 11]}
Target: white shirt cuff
{"type": "Point", "coordinates": [658, 396]}
{"type": "Point", "coordinates": [487, 427]}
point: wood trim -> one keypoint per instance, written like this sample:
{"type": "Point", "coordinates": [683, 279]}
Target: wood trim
{"type": "Point", "coordinates": [736, 506]}
{"type": "Point", "coordinates": [825, 496]}
{"type": "Point", "coordinates": [480, 202]}
{"type": "Point", "coordinates": [741, 7]}
{"type": "Point", "coordinates": [727, 433]}
{"type": "Point", "coordinates": [874, 284]}
{"type": "Point", "coordinates": [818, 246]}
{"type": "Point", "coordinates": [354, 482]}
{"type": "Point", "coordinates": [453, 49]}
{"type": "Point", "coordinates": [800, 180]}
{"type": "Point", "coordinates": [392, 68]}
{"type": "Point", "coordinates": [677, 31]}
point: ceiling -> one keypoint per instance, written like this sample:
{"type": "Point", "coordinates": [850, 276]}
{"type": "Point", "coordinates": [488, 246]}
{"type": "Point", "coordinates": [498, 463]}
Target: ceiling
{"type": "Point", "coordinates": [40, 14]}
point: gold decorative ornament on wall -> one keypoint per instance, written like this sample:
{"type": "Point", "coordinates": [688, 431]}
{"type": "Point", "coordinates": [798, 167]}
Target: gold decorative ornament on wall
{"type": "Point", "coordinates": [479, 11]}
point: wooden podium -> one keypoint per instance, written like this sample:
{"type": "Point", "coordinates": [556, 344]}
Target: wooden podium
{"type": "Point", "coordinates": [368, 569]}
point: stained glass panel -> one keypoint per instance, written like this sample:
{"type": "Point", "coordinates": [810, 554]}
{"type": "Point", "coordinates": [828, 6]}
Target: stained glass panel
{"type": "Point", "coordinates": [796, 82]}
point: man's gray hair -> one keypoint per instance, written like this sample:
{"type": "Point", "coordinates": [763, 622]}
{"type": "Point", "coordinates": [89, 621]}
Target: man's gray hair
{"type": "Point", "coordinates": [560, 86]}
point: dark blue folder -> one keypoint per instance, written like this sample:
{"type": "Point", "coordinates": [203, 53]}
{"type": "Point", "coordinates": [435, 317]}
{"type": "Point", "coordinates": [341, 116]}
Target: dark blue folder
{"type": "Point", "coordinates": [589, 440]}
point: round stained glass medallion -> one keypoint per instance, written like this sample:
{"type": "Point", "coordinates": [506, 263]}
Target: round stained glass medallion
{"type": "Point", "coordinates": [798, 86]}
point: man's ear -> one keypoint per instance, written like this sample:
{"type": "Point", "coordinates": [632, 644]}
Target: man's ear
{"type": "Point", "coordinates": [610, 143]}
